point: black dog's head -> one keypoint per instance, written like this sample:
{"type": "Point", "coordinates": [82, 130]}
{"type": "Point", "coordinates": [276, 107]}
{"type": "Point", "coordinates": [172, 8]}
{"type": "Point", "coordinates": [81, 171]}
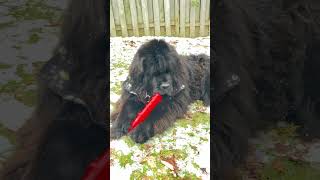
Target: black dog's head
{"type": "Point", "coordinates": [157, 67]}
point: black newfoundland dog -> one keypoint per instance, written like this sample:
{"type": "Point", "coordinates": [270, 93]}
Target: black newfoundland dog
{"type": "Point", "coordinates": [267, 61]}
{"type": "Point", "coordinates": [69, 127]}
{"type": "Point", "coordinates": [157, 67]}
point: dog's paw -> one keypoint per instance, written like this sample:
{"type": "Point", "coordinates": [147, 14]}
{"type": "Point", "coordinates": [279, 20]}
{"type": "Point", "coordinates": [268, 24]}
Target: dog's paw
{"type": "Point", "coordinates": [116, 133]}
{"type": "Point", "coordinates": [142, 133]}
{"type": "Point", "coordinates": [119, 130]}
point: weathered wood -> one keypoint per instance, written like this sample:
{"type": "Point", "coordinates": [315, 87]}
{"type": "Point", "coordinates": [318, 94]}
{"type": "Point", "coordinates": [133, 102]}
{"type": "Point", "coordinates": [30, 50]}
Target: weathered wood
{"type": "Point", "coordinates": [186, 18]}
{"type": "Point", "coordinates": [208, 10]}
{"type": "Point", "coordinates": [139, 11]}
{"type": "Point", "coordinates": [151, 25]}
{"type": "Point", "coordinates": [115, 8]}
{"type": "Point", "coordinates": [113, 32]}
{"type": "Point", "coordinates": [161, 11]}
{"type": "Point", "coordinates": [144, 5]}
{"type": "Point", "coordinates": [202, 17]}
{"type": "Point", "coordinates": [156, 17]}
{"type": "Point", "coordinates": [167, 17]}
{"type": "Point", "coordinates": [150, 10]}
{"type": "Point", "coordinates": [208, 17]}
{"type": "Point", "coordinates": [123, 21]}
{"type": "Point", "coordinates": [182, 18]}
{"type": "Point", "coordinates": [172, 11]}
{"type": "Point", "coordinates": [176, 16]}
{"type": "Point", "coordinates": [127, 12]}
{"type": "Point", "coordinates": [192, 21]}
{"type": "Point", "coordinates": [134, 17]}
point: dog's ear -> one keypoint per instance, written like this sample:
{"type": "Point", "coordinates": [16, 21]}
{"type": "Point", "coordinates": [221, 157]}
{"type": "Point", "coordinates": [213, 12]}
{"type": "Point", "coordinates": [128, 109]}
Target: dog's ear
{"type": "Point", "coordinates": [65, 78]}
{"type": "Point", "coordinates": [225, 78]}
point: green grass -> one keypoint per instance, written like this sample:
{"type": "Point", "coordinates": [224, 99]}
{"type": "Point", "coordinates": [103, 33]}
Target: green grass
{"type": "Point", "coordinates": [116, 88]}
{"type": "Point", "coordinates": [120, 64]}
{"type": "Point", "coordinates": [34, 10]}
{"type": "Point", "coordinates": [125, 159]}
{"type": "Point", "coordinates": [27, 78]}
{"type": "Point", "coordinates": [6, 24]}
{"type": "Point", "coordinates": [16, 47]}
{"type": "Point", "coordinates": [33, 38]}
{"type": "Point", "coordinates": [18, 88]}
{"type": "Point", "coordinates": [289, 170]}
{"type": "Point", "coordinates": [10, 135]}
{"type": "Point", "coordinates": [5, 66]}
{"type": "Point", "coordinates": [196, 119]}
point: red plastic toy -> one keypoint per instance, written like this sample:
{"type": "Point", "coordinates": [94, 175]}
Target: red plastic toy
{"type": "Point", "coordinates": [97, 170]}
{"type": "Point", "coordinates": [142, 116]}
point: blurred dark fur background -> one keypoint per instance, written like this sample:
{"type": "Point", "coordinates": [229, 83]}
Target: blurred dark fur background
{"type": "Point", "coordinates": [266, 69]}
{"type": "Point", "coordinates": [69, 126]}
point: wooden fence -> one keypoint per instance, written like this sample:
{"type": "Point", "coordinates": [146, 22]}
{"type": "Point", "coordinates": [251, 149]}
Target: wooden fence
{"type": "Point", "coordinates": [185, 18]}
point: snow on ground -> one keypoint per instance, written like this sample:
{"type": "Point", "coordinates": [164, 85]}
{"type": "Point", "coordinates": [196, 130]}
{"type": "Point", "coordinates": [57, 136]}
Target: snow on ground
{"type": "Point", "coordinates": [182, 151]}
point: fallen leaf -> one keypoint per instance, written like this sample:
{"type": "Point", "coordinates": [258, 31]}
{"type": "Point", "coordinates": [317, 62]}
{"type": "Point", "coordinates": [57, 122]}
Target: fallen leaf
{"type": "Point", "coordinates": [278, 166]}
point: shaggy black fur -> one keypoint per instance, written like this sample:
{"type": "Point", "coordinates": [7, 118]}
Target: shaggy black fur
{"type": "Point", "coordinates": [157, 67]}
{"type": "Point", "coordinates": [68, 128]}
{"type": "Point", "coordinates": [266, 69]}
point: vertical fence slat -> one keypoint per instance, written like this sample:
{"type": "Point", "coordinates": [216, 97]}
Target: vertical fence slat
{"type": "Point", "coordinates": [202, 17]}
{"type": "Point", "coordinates": [189, 18]}
{"type": "Point", "coordinates": [161, 11]}
{"type": "Point", "coordinates": [187, 11]}
{"type": "Point", "coordinates": [167, 17]}
{"type": "Point", "coordinates": [172, 11]}
{"type": "Point", "coordinates": [150, 10]}
{"type": "Point", "coordinates": [128, 16]}
{"type": "Point", "coordinates": [208, 10]}
{"type": "Point", "coordinates": [176, 16]}
{"type": "Point", "coordinates": [156, 17]}
{"type": "Point", "coordinates": [208, 16]}
{"type": "Point", "coordinates": [134, 17]}
{"type": "Point", "coordinates": [139, 12]}
{"type": "Point", "coordinates": [197, 14]}
{"type": "Point", "coordinates": [182, 18]}
{"type": "Point", "coordinates": [115, 12]}
{"type": "Point", "coordinates": [123, 21]}
{"type": "Point", "coordinates": [192, 21]}
{"type": "Point", "coordinates": [112, 25]}
{"type": "Point", "coordinates": [145, 16]}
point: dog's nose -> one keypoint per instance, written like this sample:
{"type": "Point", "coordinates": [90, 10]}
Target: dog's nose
{"type": "Point", "coordinates": [164, 86]}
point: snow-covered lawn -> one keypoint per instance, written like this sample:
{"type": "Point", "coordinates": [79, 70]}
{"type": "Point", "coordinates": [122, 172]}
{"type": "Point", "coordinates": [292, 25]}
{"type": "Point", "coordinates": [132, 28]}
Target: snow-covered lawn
{"type": "Point", "coordinates": [182, 151]}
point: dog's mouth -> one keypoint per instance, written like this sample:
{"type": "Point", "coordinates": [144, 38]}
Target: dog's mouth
{"type": "Point", "coordinates": [164, 93]}
{"type": "Point", "coordinates": [170, 92]}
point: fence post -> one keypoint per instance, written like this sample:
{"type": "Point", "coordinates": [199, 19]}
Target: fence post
{"type": "Point", "coordinates": [202, 17]}
{"type": "Point", "coordinates": [156, 17]}
{"type": "Point", "coordinates": [167, 17]}
{"type": "Point", "coordinates": [123, 21]}
{"type": "Point", "coordinates": [176, 16]}
{"type": "Point", "coordinates": [192, 21]}
{"type": "Point", "coordinates": [112, 25]}
{"type": "Point", "coordinates": [182, 18]}
{"type": "Point", "coordinates": [134, 17]}
{"type": "Point", "coordinates": [145, 17]}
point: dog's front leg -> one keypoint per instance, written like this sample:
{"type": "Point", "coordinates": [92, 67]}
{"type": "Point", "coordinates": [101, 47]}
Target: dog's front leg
{"type": "Point", "coordinates": [125, 116]}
